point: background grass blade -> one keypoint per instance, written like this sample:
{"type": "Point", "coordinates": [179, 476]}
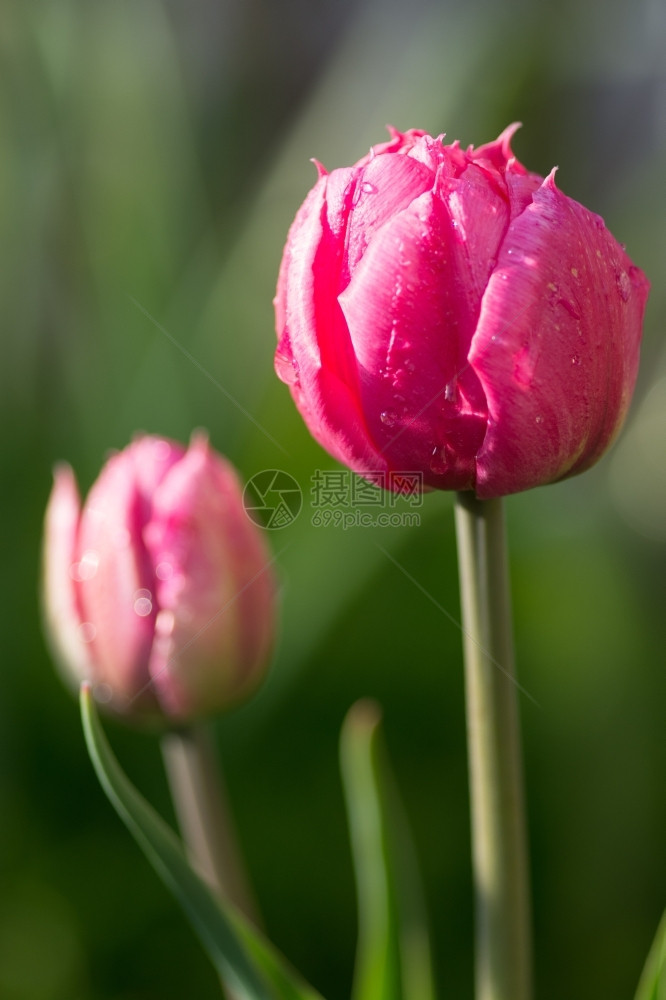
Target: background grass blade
{"type": "Point", "coordinates": [653, 981]}
{"type": "Point", "coordinates": [250, 968]}
{"type": "Point", "coordinates": [393, 957]}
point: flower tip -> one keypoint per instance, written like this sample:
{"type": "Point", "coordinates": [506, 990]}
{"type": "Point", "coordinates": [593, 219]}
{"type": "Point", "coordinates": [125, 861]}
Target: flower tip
{"type": "Point", "coordinates": [62, 471]}
{"type": "Point", "coordinates": [64, 502]}
{"type": "Point", "coordinates": [549, 181]}
{"type": "Point", "coordinates": [504, 140]}
{"type": "Point", "coordinates": [498, 151]}
{"type": "Point", "coordinates": [199, 440]}
{"type": "Point", "coordinates": [321, 169]}
{"type": "Point", "coordinates": [508, 133]}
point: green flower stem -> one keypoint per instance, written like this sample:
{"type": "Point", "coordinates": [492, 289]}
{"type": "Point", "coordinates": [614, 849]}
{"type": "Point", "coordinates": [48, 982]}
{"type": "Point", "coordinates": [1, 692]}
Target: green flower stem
{"type": "Point", "coordinates": [499, 842]}
{"type": "Point", "coordinates": [198, 794]}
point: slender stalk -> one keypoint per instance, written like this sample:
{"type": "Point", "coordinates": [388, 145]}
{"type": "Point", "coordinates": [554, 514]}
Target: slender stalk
{"type": "Point", "coordinates": [199, 797]}
{"type": "Point", "coordinates": [499, 842]}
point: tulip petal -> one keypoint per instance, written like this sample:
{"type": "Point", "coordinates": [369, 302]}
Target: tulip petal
{"type": "Point", "coordinates": [311, 328]}
{"type": "Point", "coordinates": [384, 187]}
{"type": "Point", "coordinates": [411, 313]}
{"type": "Point", "coordinates": [213, 584]}
{"type": "Point", "coordinates": [117, 593]}
{"type": "Point", "coordinates": [61, 611]}
{"type": "Point", "coordinates": [556, 347]}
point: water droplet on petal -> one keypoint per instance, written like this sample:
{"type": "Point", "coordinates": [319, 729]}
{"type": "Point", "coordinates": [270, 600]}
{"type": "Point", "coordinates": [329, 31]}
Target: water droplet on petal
{"type": "Point", "coordinates": [438, 462]}
{"type": "Point", "coordinates": [409, 365]}
{"type": "Point", "coordinates": [388, 418]}
{"type": "Point", "coordinates": [368, 188]}
{"type": "Point", "coordinates": [74, 571]}
{"type": "Point", "coordinates": [143, 602]}
{"type": "Point", "coordinates": [575, 360]}
{"type": "Point", "coordinates": [538, 420]}
{"type": "Point", "coordinates": [165, 622]}
{"type": "Point", "coordinates": [286, 365]}
{"type": "Point", "coordinates": [624, 285]}
{"type": "Point", "coordinates": [88, 565]}
{"type": "Point", "coordinates": [103, 693]}
{"type": "Point", "coordinates": [87, 631]}
{"type": "Point", "coordinates": [450, 390]}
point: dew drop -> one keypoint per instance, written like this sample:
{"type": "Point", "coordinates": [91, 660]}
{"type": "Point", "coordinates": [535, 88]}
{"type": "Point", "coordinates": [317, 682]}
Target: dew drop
{"type": "Point", "coordinates": [388, 418]}
{"type": "Point", "coordinates": [575, 360]}
{"type": "Point", "coordinates": [87, 631]}
{"type": "Point", "coordinates": [86, 568]}
{"type": "Point", "coordinates": [438, 463]}
{"type": "Point", "coordinates": [450, 391]}
{"type": "Point", "coordinates": [164, 571]}
{"type": "Point", "coordinates": [143, 603]}
{"type": "Point", "coordinates": [538, 420]}
{"type": "Point", "coordinates": [103, 693]}
{"type": "Point", "coordinates": [624, 285]}
{"type": "Point", "coordinates": [286, 366]}
{"type": "Point", "coordinates": [88, 565]}
{"type": "Point", "coordinates": [574, 271]}
{"type": "Point", "coordinates": [165, 622]}
{"type": "Point", "coordinates": [409, 365]}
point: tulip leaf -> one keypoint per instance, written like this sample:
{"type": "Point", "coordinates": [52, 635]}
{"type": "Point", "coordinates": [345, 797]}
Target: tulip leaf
{"type": "Point", "coordinates": [248, 965]}
{"type": "Point", "coordinates": [653, 981]}
{"type": "Point", "coordinates": [393, 960]}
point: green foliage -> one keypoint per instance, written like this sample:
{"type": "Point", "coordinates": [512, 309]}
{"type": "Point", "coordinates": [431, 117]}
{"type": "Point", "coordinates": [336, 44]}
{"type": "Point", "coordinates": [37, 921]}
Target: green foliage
{"type": "Point", "coordinates": [393, 957]}
{"type": "Point", "coordinates": [228, 939]}
{"type": "Point", "coordinates": [653, 981]}
{"type": "Point", "coordinates": [158, 151]}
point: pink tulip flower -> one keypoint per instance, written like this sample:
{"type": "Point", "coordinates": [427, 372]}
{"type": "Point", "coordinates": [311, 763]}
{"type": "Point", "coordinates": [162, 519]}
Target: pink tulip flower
{"type": "Point", "coordinates": [160, 591]}
{"type": "Point", "coordinates": [447, 312]}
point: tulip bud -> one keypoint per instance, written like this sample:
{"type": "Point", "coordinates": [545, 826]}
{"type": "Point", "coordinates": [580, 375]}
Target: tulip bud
{"type": "Point", "coordinates": [160, 591]}
{"type": "Point", "coordinates": [448, 312]}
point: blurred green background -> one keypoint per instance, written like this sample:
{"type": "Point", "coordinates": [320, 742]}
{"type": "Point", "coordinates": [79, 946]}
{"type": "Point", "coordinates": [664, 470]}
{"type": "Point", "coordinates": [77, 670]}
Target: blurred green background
{"type": "Point", "coordinates": [153, 155]}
